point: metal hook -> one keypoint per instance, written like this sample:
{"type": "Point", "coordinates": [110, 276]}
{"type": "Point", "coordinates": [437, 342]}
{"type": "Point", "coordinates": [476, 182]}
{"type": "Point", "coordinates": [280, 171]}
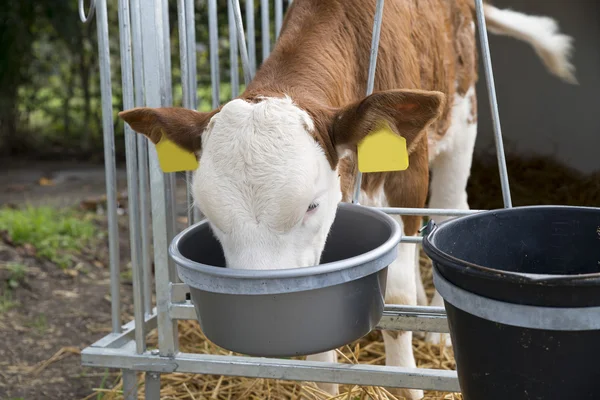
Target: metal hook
{"type": "Point", "coordinates": [82, 16]}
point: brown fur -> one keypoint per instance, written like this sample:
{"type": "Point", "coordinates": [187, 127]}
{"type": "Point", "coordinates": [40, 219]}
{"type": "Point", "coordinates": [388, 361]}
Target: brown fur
{"type": "Point", "coordinates": [321, 60]}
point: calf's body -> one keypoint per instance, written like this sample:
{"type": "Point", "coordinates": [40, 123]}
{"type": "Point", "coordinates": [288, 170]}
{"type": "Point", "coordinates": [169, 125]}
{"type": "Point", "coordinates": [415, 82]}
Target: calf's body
{"type": "Point", "coordinates": [276, 161]}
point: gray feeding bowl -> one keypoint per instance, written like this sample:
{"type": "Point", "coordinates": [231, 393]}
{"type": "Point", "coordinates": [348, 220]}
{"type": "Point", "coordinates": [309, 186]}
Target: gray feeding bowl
{"type": "Point", "coordinates": [294, 311]}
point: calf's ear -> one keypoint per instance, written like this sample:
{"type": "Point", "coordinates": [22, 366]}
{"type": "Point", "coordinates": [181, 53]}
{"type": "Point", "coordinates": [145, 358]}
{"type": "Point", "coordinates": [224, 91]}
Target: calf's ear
{"type": "Point", "coordinates": [407, 112]}
{"type": "Point", "coordinates": [182, 126]}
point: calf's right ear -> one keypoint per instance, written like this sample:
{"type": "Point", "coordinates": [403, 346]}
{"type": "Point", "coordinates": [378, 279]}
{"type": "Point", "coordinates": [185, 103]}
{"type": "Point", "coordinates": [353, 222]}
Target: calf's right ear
{"type": "Point", "coordinates": [182, 126]}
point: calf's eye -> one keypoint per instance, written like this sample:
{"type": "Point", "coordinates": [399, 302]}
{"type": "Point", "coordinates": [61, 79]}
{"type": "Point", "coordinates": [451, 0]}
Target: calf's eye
{"type": "Point", "coordinates": [312, 207]}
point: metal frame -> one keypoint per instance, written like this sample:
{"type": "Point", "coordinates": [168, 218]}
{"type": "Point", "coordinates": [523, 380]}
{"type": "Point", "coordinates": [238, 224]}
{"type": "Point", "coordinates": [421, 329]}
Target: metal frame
{"type": "Point", "coordinates": [146, 80]}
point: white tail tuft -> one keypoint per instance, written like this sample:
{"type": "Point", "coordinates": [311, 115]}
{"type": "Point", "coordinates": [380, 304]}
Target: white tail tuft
{"type": "Point", "coordinates": [542, 33]}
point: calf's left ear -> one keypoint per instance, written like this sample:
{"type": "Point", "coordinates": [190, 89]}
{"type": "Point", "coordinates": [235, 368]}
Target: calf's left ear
{"type": "Point", "coordinates": [407, 112]}
{"type": "Point", "coordinates": [182, 126]}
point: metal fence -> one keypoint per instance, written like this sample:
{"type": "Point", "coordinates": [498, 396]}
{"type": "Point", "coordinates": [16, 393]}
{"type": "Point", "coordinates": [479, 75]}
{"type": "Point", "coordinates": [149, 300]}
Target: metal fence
{"type": "Point", "coordinates": [146, 80]}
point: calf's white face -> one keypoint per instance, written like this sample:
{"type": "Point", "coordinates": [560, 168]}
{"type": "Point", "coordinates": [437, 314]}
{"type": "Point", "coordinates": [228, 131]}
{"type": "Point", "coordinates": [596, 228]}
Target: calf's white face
{"type": "Point", "coordinates": [267, 180]}
{"type": "Point", "coordinates": [266, 185]}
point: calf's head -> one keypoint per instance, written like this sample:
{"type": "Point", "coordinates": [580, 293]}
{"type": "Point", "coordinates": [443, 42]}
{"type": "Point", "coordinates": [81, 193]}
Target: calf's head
{"type": "Point", "coordinates": [267, 179]}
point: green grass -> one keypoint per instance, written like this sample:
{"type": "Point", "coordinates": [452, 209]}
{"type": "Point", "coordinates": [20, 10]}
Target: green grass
{"type": "Point", "coordinates": [56, 234]}
{"type": "Point", "coordinates": [16, 274]}
{"type": "Point", "coordinates": [6, 301]}
{"type": "Point", "coordinates": [39, 324]}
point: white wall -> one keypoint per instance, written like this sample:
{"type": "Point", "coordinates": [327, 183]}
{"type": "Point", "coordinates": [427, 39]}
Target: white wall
{"type": "Point", "coordinates": [539, 113]}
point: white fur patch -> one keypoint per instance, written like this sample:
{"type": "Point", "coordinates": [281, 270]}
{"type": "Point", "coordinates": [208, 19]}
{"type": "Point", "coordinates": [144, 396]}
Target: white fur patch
{"type": "Point", "coordinates": [553, 47]}
{"type": "Point", "coordinates": [260, 169]}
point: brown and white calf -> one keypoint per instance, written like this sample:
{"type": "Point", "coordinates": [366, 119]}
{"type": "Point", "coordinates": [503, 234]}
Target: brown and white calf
{"type": "Point", "coordinates": [275, 161]}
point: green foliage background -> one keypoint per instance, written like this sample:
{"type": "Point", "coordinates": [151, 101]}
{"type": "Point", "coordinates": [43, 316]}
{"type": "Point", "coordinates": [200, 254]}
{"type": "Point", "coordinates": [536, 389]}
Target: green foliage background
{"type": "Point", "coordinates": [49, 76]}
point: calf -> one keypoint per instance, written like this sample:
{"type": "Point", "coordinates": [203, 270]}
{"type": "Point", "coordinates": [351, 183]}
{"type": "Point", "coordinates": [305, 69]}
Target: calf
{"type": "Point", "coordinates": [276, 161]}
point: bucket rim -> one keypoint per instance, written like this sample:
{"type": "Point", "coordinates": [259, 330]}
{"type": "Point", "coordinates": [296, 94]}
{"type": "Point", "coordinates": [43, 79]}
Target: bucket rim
{"type": "Point", "coordinates": [380, 252]}
{"type": "Point", "coordinates": [478, 270]}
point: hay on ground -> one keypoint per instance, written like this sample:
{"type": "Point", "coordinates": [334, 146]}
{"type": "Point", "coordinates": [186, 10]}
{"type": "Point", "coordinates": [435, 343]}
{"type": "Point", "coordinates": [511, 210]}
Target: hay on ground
{"type": "Point", "coordinates": [535, 180]}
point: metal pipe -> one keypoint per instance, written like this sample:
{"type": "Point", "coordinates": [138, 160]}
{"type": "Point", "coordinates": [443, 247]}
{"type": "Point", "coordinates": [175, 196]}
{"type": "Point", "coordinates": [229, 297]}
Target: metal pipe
{"type": "Point", "coordinates": [239, 25]}
{"type": "Point", "coordinates": [289, 370]}
{"type": "Point", "coordinates": [186, 87]}
{"type": "Point", "coordinates": [266, 32]}
{"type": "Point", "coordinates": [250, 33]}
{"type": "Point", "coordinates": [278, 17]}
{"type": "Point", "coordinates": [190, 27]}
{"type": "Point", "coordinates": [371, 79]}
{"type": "Point", "coordinates": [109, 163]}
{"type": "Point", "coordinates": [132, 186]}
{"type": "Point", "coordinates": [152, 386]}
{"type": "Point", "coordinates": [142, 154]}
{"type": "Point", "coordinates": [234, 71]}
{"type": "Point", "coordinates": [491, 88]}
{"type": "Point", "coordinates": [213, 38]}
{"type": "Point", "coordinates": [426, 211]}
{"type": "Point", "coordinates": [130, 391]}
{"type": "Point", "coordinates": [86, 18]}
{"type": "Point", "coordinates": [171, 178]}
{"type": "Point", "coordinates": [154, 83]}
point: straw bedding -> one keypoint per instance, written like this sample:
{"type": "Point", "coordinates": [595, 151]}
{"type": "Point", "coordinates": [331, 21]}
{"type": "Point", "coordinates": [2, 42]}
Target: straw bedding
{"type": "Point", "coordinates": [533, 181]}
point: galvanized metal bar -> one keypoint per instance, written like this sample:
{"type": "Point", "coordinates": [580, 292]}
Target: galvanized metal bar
{"type": "Point", "coordinates": [186, 88]}
{"type": "Point", "coordinates": [117, 340]}
{"type": "Point", "coordinates": [265, 29]}
{"type": "Point", "coordinates": [371, 79]}
{"type": "Point", "coordinates": [152, 386]}
{"type": "Point", "coordinates": [239, 28]}
{"type": "Point", "coordinates": [142, 155]}
{"type": "Point", "coordinates": [427, 211]}
{"type": "Point", "coordinates": [132, 185]}
{"type": "Point", "coordinates": [190, 26]}
{"type": "Point", "coordinates": [251, 33]}
{"type": "Point", "coordinates": [398, 318]}
{"type": "Point", "coordinates": [283, 369]}
{"type": "Point", "coordinates": [130, 387]}
{"type": "Point", "coordinates": [491, 88]}
{"type": "Point", "coordinates": [183, 53]}
{"type": "Point", "coordinates": [213, 39]}
{"type": "Point", "coordinates": [278, 17]}
{"type": "Point", "coordinates": [167, 91]}
{"type": "Point", "coordinates": [154, 84]}
{"type": "Point", "coordinates": [234, 68]}
{"type": "Point", "coordinates": [166, 40]}
{"type": "Point", "coordinates": [86, 19]}
{"type": "Point", "coordinates": [110, 168]}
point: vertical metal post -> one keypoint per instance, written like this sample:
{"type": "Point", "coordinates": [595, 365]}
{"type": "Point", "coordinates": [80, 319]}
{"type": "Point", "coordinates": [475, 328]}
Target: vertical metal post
{"type": "Point", "coordinates": [278, 17]}
{"type": "Point", "coordinates": [239, 28]}
{"type": "Point", "coordinates": [142, 154]}
{"type": "Point", "coordinates": [491, 88]}
{"type": "Point", "coordinates": [152, 386]}
{"type": "Point", "coordinates": [250, 33]}
{"type": "Point", "coordinates": [371, 79]}
{"type": "Point", "coordinates": [266, 32]}
{"type": "Point", "coordinates": [109, 162]}
{"type": "Point", "coordinates": [171, 178]}
{"type": "Point", "coordinates": [187, 89]}
{"type": "Point", "coordinates": [130, 385]}
{"type": "Point", "coordinates": [233, 49]}
{"type": "Point", "coordinates": [213, 38]}
{"type": "Point", "coordinates": [132, 187]}
{"type": "Point", "coordinates": [155, 84]}
{"type": "Point", "coordinates": [187, 48]}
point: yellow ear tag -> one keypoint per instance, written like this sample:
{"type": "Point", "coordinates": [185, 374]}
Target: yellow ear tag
{"type": "Point", "coordinates": [172, 158]}
{"type": "Point", "coordinates": [382, 151]}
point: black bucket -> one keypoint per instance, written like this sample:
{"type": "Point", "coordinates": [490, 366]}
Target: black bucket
{"type": "Point", "coordinates": [521, 289]}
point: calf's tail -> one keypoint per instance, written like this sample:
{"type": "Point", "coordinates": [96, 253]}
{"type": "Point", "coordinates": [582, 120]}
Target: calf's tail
{"type": "Point", "coordinates": [542, 33]}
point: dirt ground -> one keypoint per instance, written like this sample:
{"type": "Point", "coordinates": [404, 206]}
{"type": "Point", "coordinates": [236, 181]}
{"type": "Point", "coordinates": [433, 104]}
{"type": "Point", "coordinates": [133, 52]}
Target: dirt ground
{"type": "Point", "coordinates": [56, 313]}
